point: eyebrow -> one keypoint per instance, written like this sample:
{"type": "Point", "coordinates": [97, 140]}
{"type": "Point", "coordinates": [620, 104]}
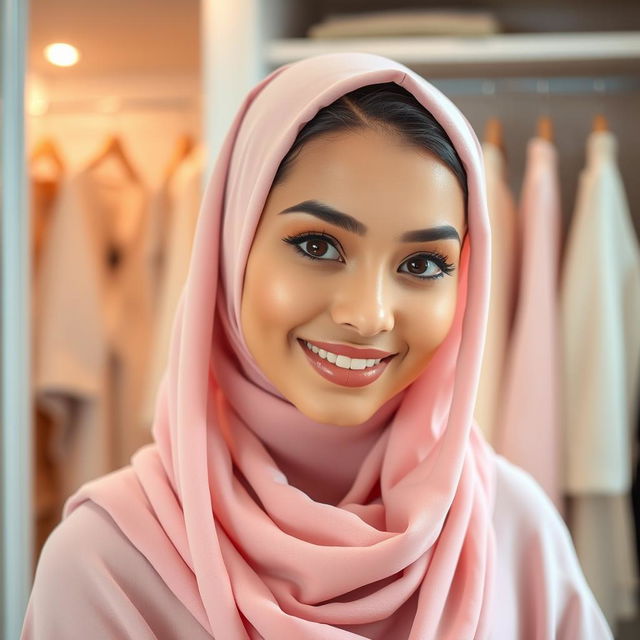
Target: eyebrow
{"type": "Point", "coordinates": [349, 223]}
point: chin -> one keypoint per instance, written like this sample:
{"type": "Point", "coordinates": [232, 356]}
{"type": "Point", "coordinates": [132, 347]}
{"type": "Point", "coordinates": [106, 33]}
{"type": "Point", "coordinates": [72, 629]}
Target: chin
{"type": "Point", "coordinates": [340, 417]}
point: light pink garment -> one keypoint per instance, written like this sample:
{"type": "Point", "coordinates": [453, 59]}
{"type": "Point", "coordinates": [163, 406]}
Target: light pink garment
{"type": "Point", "coordinates": [409, 550]}
{"type": "Point", "coordinates": [529, 430]}
{"type": "Point", "coordinates": [505, 264]}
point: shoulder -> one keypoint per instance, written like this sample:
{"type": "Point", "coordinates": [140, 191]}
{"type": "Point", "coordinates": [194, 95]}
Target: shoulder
{"type": "Point", "coordinates": [537, 569]}
{"type": "Point", "coordinates": [521, 503]}
{"type": "Point", "coordinates": [91, 581]}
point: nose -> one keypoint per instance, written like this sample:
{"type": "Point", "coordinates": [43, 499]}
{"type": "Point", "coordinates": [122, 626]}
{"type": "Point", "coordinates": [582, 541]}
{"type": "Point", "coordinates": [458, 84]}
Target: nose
{"type": "Point", "coordinates": [363, 301]}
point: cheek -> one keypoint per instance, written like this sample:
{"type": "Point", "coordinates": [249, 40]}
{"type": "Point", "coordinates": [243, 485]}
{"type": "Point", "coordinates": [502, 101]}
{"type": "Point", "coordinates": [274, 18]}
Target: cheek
{"type": "Point", "coordinates": [275, 300]}
{"type": "Point", "coordinates": [428, 325]}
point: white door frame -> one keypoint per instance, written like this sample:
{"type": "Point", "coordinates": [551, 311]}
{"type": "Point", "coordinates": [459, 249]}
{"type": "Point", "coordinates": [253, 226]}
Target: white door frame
{"type": "Point", "coordinates": [15, 413]}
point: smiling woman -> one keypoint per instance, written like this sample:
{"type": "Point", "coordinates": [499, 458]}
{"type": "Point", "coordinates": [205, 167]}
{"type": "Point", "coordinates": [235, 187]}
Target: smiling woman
{"type": "Point", "coordinates": [316, 472]}
{"type": "Point", "coordinates": [380, 273]}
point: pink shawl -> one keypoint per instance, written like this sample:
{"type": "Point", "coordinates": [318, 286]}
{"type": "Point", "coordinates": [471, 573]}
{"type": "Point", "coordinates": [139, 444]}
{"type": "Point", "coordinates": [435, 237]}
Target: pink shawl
{"type": "Point", "coordinates": [408, 551]}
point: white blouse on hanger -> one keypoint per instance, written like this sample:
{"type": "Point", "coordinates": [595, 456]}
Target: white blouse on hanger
{"type": "Point", "coordinates": [601, 341]}
{"type": "Point", "coordinates": [93, 323]}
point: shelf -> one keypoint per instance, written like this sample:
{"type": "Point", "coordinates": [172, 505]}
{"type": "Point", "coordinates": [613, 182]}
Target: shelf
{"type": "Point", "coordinates": [503, 49]}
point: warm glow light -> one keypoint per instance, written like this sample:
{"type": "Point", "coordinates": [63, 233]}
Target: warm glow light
{"type": "Point", "coordinates": [61, 54]}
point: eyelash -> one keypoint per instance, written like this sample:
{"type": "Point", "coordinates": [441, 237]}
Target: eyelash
{"type": "Point", "coordinates": [433, 256]}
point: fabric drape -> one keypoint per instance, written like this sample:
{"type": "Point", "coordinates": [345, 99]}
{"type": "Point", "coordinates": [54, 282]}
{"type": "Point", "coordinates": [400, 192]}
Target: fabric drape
{"type": "Point", "coordinates": [529, 431]}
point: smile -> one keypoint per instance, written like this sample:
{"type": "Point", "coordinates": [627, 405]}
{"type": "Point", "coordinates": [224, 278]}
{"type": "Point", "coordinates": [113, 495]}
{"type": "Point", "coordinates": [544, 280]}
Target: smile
{"type": "Point", "coordinates": [343, 370]}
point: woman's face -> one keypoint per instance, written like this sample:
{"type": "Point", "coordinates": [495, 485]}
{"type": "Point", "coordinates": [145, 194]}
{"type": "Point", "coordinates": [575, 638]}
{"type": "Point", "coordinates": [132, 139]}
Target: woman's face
{"type": "Point", "coordinates": [357, 249]}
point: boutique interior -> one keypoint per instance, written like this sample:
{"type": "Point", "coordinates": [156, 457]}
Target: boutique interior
{"type": "Point", "coordinates": [122, 129]}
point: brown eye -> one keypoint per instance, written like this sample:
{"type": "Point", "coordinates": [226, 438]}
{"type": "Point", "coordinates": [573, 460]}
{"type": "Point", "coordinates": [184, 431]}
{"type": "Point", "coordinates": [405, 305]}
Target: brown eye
{"type": "Point", "coordinates": [417, 265]}
{"type": "Point", "coordinates": [317, 248]}
{"type": "Point", "coordinates": [314, 247]}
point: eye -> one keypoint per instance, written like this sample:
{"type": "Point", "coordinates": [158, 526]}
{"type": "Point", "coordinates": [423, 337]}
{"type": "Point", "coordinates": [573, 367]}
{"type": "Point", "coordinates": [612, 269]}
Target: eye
{"type": "Point", "coordinates": [316, 246]}
{"type": "Point", "coordinates": [418, 266]}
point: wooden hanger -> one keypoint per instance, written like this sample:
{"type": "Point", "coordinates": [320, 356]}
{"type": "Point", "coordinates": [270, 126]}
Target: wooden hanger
{"type": "Point", "coordinates": [600, 123]}
{"type": "Point", "coordinates": [182, 149]}
{"type": "Point", "coordinates": [545, 128]}
{"type": "Point", "coordinates": [113, 147]}
{"type": "Point", "coordinates": [46, 148]}
{"type": "Point", "coordinates": [493, 133]}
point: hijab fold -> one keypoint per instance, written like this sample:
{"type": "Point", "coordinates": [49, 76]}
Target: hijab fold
{"type": "Point", "coordinates": [266, 524]}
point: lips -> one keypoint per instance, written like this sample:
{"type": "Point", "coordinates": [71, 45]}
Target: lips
{"type": "Point", "coordinates": [351, 352]}
{"type": "Point", "coordinates": [345, 377]}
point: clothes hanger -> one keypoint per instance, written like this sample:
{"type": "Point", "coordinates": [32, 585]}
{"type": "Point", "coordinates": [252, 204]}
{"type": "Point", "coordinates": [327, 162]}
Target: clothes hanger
{"type": "Point", "coordinates": [113, 147]}
{"type": "Point", "coordinates": [182, 149]}
{"type": "Point", "coordinates": [545, 128]}
{"type": "Point", "coordinates": [46, 148]}
{"type": "Point", "coordinates": [600, 123]}
{"type": "Point", "coordinates": [493, 133]}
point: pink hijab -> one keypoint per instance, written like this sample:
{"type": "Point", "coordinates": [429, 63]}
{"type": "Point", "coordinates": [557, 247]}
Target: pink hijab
{"type": "Point", "coordinates": [408, 550]}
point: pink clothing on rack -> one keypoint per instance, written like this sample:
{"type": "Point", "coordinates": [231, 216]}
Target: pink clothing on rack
{"type": "Point", "coordinates": [529, 430]}
{"type": "Point", "coordinates": [504, 269]}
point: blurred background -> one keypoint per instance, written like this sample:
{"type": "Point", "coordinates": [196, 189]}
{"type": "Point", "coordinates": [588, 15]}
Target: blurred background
{"type": "Point", "coordinates": [112, 116]}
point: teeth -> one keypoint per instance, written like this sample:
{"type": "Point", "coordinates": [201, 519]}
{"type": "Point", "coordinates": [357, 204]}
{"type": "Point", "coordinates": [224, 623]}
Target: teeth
{"type": "Point", "coordinates": [344, 362]}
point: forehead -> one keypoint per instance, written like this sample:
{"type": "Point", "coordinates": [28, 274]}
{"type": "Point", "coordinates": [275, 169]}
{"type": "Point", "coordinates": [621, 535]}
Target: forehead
{"type": "Point", "coordinates": [376, 177]}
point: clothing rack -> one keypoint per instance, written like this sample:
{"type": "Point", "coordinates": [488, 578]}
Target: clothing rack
{"type": "Point", "coordinates": [560, 85]}
{"type": "Point", "coordinates": [113, 105]}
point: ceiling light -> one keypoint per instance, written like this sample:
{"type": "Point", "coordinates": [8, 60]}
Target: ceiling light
{"type": "Point", "coordinates": [61, 54]}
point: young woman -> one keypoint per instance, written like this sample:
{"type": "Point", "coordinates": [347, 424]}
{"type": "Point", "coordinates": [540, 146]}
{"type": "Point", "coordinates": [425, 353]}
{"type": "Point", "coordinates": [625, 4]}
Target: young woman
{"type": "Point", "coordinates": [316, 471]}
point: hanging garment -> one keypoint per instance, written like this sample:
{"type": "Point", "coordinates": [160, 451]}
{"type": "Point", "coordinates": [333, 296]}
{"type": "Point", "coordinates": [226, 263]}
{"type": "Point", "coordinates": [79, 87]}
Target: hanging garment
{"type": "Point", "coordinates": [504, 269]}
{"type": "Point", "coordinates": [601, 338]}
{"type": "Point", "coordinates": [529, 432]}
{"type": "Point", "coordinates": [91, 337]}
{"type": "Point", "coordinates": [176, 212]}
{"type": "Point", "coordinates": [47, 498]}
{"type": "Point", "coordinates": [430, 521]}
{"type": "Point", "coordinates": [635, 467]}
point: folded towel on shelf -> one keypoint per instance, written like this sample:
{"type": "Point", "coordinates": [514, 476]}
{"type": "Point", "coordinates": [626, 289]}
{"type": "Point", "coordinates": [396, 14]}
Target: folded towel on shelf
{"type": "Point", "coordinates": [409, 22]}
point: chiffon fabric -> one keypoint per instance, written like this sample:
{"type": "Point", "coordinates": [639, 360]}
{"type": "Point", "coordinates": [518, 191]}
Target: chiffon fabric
{"type": "Point", "coordinates": [407, 550]}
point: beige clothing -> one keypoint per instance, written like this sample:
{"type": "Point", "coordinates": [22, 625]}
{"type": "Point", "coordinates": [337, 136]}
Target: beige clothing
{"type": "Point", "coordinates": [92, 330]}
{"type": "Point", "coordinates": [175, 216]}
{"type": "Point", "coordinates": [504, 279]}
{"type": "Point", "coordinates": [47, 500]}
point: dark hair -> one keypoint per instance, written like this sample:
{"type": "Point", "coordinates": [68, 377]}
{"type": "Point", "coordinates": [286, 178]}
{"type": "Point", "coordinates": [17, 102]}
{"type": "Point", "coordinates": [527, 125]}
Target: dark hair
{"type": "Point", "coordinates": [386, 107]}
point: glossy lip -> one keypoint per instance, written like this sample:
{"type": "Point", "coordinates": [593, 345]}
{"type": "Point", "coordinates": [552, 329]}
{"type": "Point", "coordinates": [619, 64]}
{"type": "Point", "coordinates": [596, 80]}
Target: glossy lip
{"type": "Point", "coordinates": [351, 352]}
{"type": "Point", "coordinates": [344, 377]}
